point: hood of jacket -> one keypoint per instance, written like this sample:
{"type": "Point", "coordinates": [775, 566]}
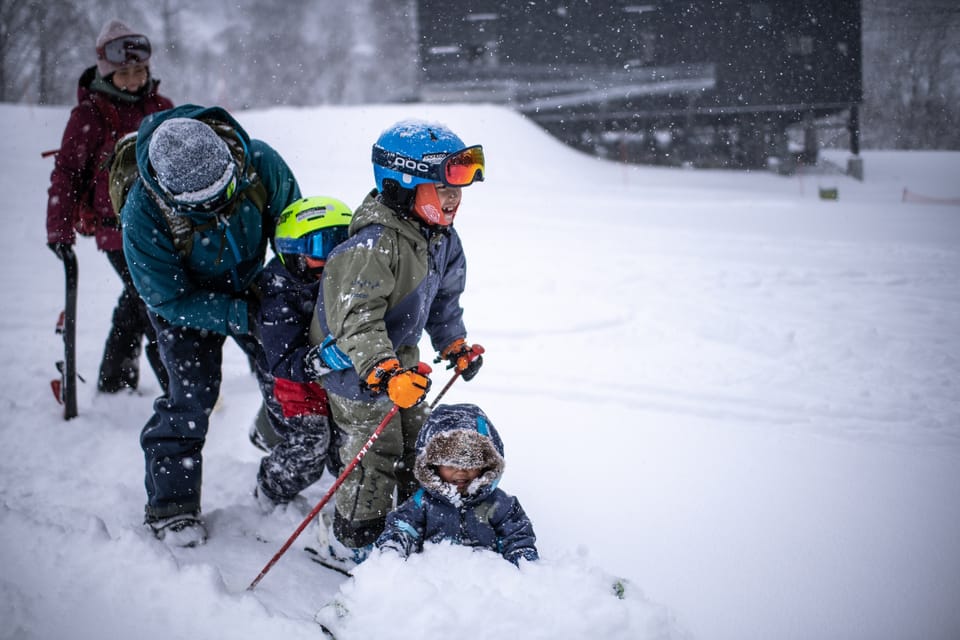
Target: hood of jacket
{"type": "Point", "coordinates": [459, 435]}
{"type": "Point", "coordinates": [196, 112]}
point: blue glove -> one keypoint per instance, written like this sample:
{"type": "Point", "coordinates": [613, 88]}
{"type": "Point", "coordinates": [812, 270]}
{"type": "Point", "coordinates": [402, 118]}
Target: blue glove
{"type": "Point", "coordinates": [326, 357]}
{"type": "Point", "coordinates": [333, 356]}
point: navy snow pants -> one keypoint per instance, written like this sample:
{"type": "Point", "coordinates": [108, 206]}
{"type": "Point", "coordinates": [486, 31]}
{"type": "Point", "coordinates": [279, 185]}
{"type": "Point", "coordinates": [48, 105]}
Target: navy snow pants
{"type": "Point", "coordinates": [172, 440]}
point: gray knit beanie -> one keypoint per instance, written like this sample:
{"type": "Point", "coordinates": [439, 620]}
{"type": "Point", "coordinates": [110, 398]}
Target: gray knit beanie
{"type": "Point", "coordinates": [192, 163]}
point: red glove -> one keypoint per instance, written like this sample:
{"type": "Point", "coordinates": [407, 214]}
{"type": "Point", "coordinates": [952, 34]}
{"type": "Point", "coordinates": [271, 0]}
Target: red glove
{"type": "Point", "coordinates": [406, 387]}
{"type": "Point", "coordinates": [301, 398]}
{"type": "Point", "coordinates": [465, 358]}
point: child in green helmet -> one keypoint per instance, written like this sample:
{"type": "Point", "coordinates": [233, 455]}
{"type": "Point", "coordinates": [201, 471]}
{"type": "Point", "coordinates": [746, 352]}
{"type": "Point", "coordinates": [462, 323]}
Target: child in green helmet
{"type": "Point", "coordinates": [294, 424]}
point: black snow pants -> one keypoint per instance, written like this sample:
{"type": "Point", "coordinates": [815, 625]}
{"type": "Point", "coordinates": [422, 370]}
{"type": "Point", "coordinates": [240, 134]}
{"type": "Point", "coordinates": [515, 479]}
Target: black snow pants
{"type": "Point", "coordinates": [120, 367]}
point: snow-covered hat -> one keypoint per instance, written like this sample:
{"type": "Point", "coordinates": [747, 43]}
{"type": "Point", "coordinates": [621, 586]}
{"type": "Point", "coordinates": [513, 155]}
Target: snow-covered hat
{"type": "Point", "coordinates": [135, 50]}
{"type": "Point", "coordinates": [192, 163]}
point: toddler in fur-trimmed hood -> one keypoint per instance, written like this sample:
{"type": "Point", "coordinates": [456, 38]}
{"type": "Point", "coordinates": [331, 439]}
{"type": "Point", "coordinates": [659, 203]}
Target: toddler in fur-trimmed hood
{"type": "Point", "coordinates": [459, 464]}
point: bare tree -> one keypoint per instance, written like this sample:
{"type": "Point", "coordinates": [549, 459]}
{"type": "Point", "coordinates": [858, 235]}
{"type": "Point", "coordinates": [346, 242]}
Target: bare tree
{"type": "Point", "coordinates": [17, 39]}
{"type": "Point", "coordinates": [911, 74]}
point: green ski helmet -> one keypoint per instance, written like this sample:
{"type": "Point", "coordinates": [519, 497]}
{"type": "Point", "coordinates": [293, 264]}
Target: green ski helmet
{"type": "Point", "coordinates": [309, 229]}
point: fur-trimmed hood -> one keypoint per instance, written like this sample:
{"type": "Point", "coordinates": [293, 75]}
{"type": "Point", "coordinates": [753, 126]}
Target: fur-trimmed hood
{"type": "Point", "coordinates": [459, 435]}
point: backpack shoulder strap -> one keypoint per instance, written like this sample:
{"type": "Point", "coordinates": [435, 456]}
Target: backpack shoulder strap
{"type": "Point", "coordinates": [256, 193]}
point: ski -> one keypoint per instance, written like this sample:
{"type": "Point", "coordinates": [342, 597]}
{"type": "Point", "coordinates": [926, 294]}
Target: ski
{"type": "Point", "coordinates": [315, 556]}
{"type": "Point", "coordinates": [65, 389]}
{"type": "Point", "coordinates": [327, 633]}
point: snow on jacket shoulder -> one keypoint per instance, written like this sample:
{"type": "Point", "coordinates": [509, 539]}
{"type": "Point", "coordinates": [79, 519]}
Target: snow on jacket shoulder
{"type": "Point", "coordinates": [93, 128]}
{"type": "Point", "coordinates": [205, 289]}
{"type": "Point", "coordinates": [486, 517]}
{"type": "Point", "coordinates": [387, 284]}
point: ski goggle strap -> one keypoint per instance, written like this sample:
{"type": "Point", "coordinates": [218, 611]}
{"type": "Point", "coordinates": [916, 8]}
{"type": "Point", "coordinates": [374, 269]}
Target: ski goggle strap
{"type": "Point", "coordinates": [316, 245]}
{"type": "Point", "coordinates": [459, 169]}
{"type": "Point", "coordinates": [126, 50]}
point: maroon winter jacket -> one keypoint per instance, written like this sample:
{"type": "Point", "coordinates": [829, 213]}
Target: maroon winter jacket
{"type": "Point", "coordinates": [95, 125]}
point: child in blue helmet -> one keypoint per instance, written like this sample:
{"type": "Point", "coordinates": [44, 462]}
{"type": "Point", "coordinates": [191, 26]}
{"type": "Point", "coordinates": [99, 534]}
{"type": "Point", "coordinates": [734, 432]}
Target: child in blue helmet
{"type": "Point", "coordinates": [400, 273]}
{"type": "Point", "coordinates": [294, 423]}
{"type": "Point", "coordinates": [459, 465]}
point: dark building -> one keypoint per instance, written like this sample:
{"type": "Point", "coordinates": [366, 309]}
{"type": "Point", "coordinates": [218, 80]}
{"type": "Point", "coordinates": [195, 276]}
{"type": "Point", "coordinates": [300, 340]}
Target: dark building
{"type": "Point", "coordinates": [709, 82]}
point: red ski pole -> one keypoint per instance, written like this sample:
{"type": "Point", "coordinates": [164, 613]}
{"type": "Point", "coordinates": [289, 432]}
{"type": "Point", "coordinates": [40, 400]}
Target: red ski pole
{"type": "Point", "coordinates": [326, 498]}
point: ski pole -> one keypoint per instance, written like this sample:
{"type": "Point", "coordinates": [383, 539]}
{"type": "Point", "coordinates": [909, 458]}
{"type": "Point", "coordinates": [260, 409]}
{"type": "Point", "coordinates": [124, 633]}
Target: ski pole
{"type": "Point", "coordinates": [475, 352]}
{"type": "Point", "coordinates": [336, 485]}
{"type": "Point", "coordinates": [453, 378]}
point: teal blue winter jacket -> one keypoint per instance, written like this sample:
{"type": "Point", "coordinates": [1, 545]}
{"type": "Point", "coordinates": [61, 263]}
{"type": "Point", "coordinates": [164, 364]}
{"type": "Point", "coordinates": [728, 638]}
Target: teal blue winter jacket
{"type": "Point", "coordinates": [208, 288]}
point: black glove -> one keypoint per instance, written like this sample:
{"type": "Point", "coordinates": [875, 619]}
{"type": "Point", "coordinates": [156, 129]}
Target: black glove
{"type": "Point", "coordinates": [60, 249]}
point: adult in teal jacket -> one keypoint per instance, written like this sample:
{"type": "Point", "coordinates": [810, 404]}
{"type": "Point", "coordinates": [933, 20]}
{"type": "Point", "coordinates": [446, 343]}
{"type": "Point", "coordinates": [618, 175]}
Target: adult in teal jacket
{"type": "Point", "coordinates": [196, 225]}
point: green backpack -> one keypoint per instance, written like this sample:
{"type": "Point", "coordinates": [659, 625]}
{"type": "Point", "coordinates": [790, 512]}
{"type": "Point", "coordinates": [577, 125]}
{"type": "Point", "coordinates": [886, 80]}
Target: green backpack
{"type": "Point", "coordinates": [124, 173]}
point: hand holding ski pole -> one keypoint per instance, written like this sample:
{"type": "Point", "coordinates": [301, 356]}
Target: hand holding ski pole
{"type": "Point", "coordinates": [474, 355]}
{"type": "Point", "coordinates": [465, 358]}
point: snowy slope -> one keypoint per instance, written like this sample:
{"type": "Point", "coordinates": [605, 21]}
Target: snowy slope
{"type": "Point", "coordinates": [738, 396]}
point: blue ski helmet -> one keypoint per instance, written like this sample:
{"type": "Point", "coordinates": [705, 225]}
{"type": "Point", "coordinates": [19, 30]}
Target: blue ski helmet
{"type": "Point", "coordinates": [411, 141]}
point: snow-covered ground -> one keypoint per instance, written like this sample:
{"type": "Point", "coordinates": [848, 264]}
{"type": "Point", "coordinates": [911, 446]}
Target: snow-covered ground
{"type": "Point", "coordinates": [743, 399]}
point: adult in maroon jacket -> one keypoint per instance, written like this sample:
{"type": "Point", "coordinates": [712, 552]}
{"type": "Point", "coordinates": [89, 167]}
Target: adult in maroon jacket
{"type": "Point", "coordinates": [113, 96]}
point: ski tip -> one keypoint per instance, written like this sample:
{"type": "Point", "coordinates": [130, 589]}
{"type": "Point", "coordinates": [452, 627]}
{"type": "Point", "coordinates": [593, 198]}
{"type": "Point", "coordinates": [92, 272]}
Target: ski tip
{"type": "Point", "coordinates": [56, 385]}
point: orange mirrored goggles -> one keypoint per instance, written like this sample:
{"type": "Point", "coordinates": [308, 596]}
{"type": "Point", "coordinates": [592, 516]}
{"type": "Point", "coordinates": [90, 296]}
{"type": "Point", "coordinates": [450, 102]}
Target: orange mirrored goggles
{"type": "Point", "coordinates": [463, 168]}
